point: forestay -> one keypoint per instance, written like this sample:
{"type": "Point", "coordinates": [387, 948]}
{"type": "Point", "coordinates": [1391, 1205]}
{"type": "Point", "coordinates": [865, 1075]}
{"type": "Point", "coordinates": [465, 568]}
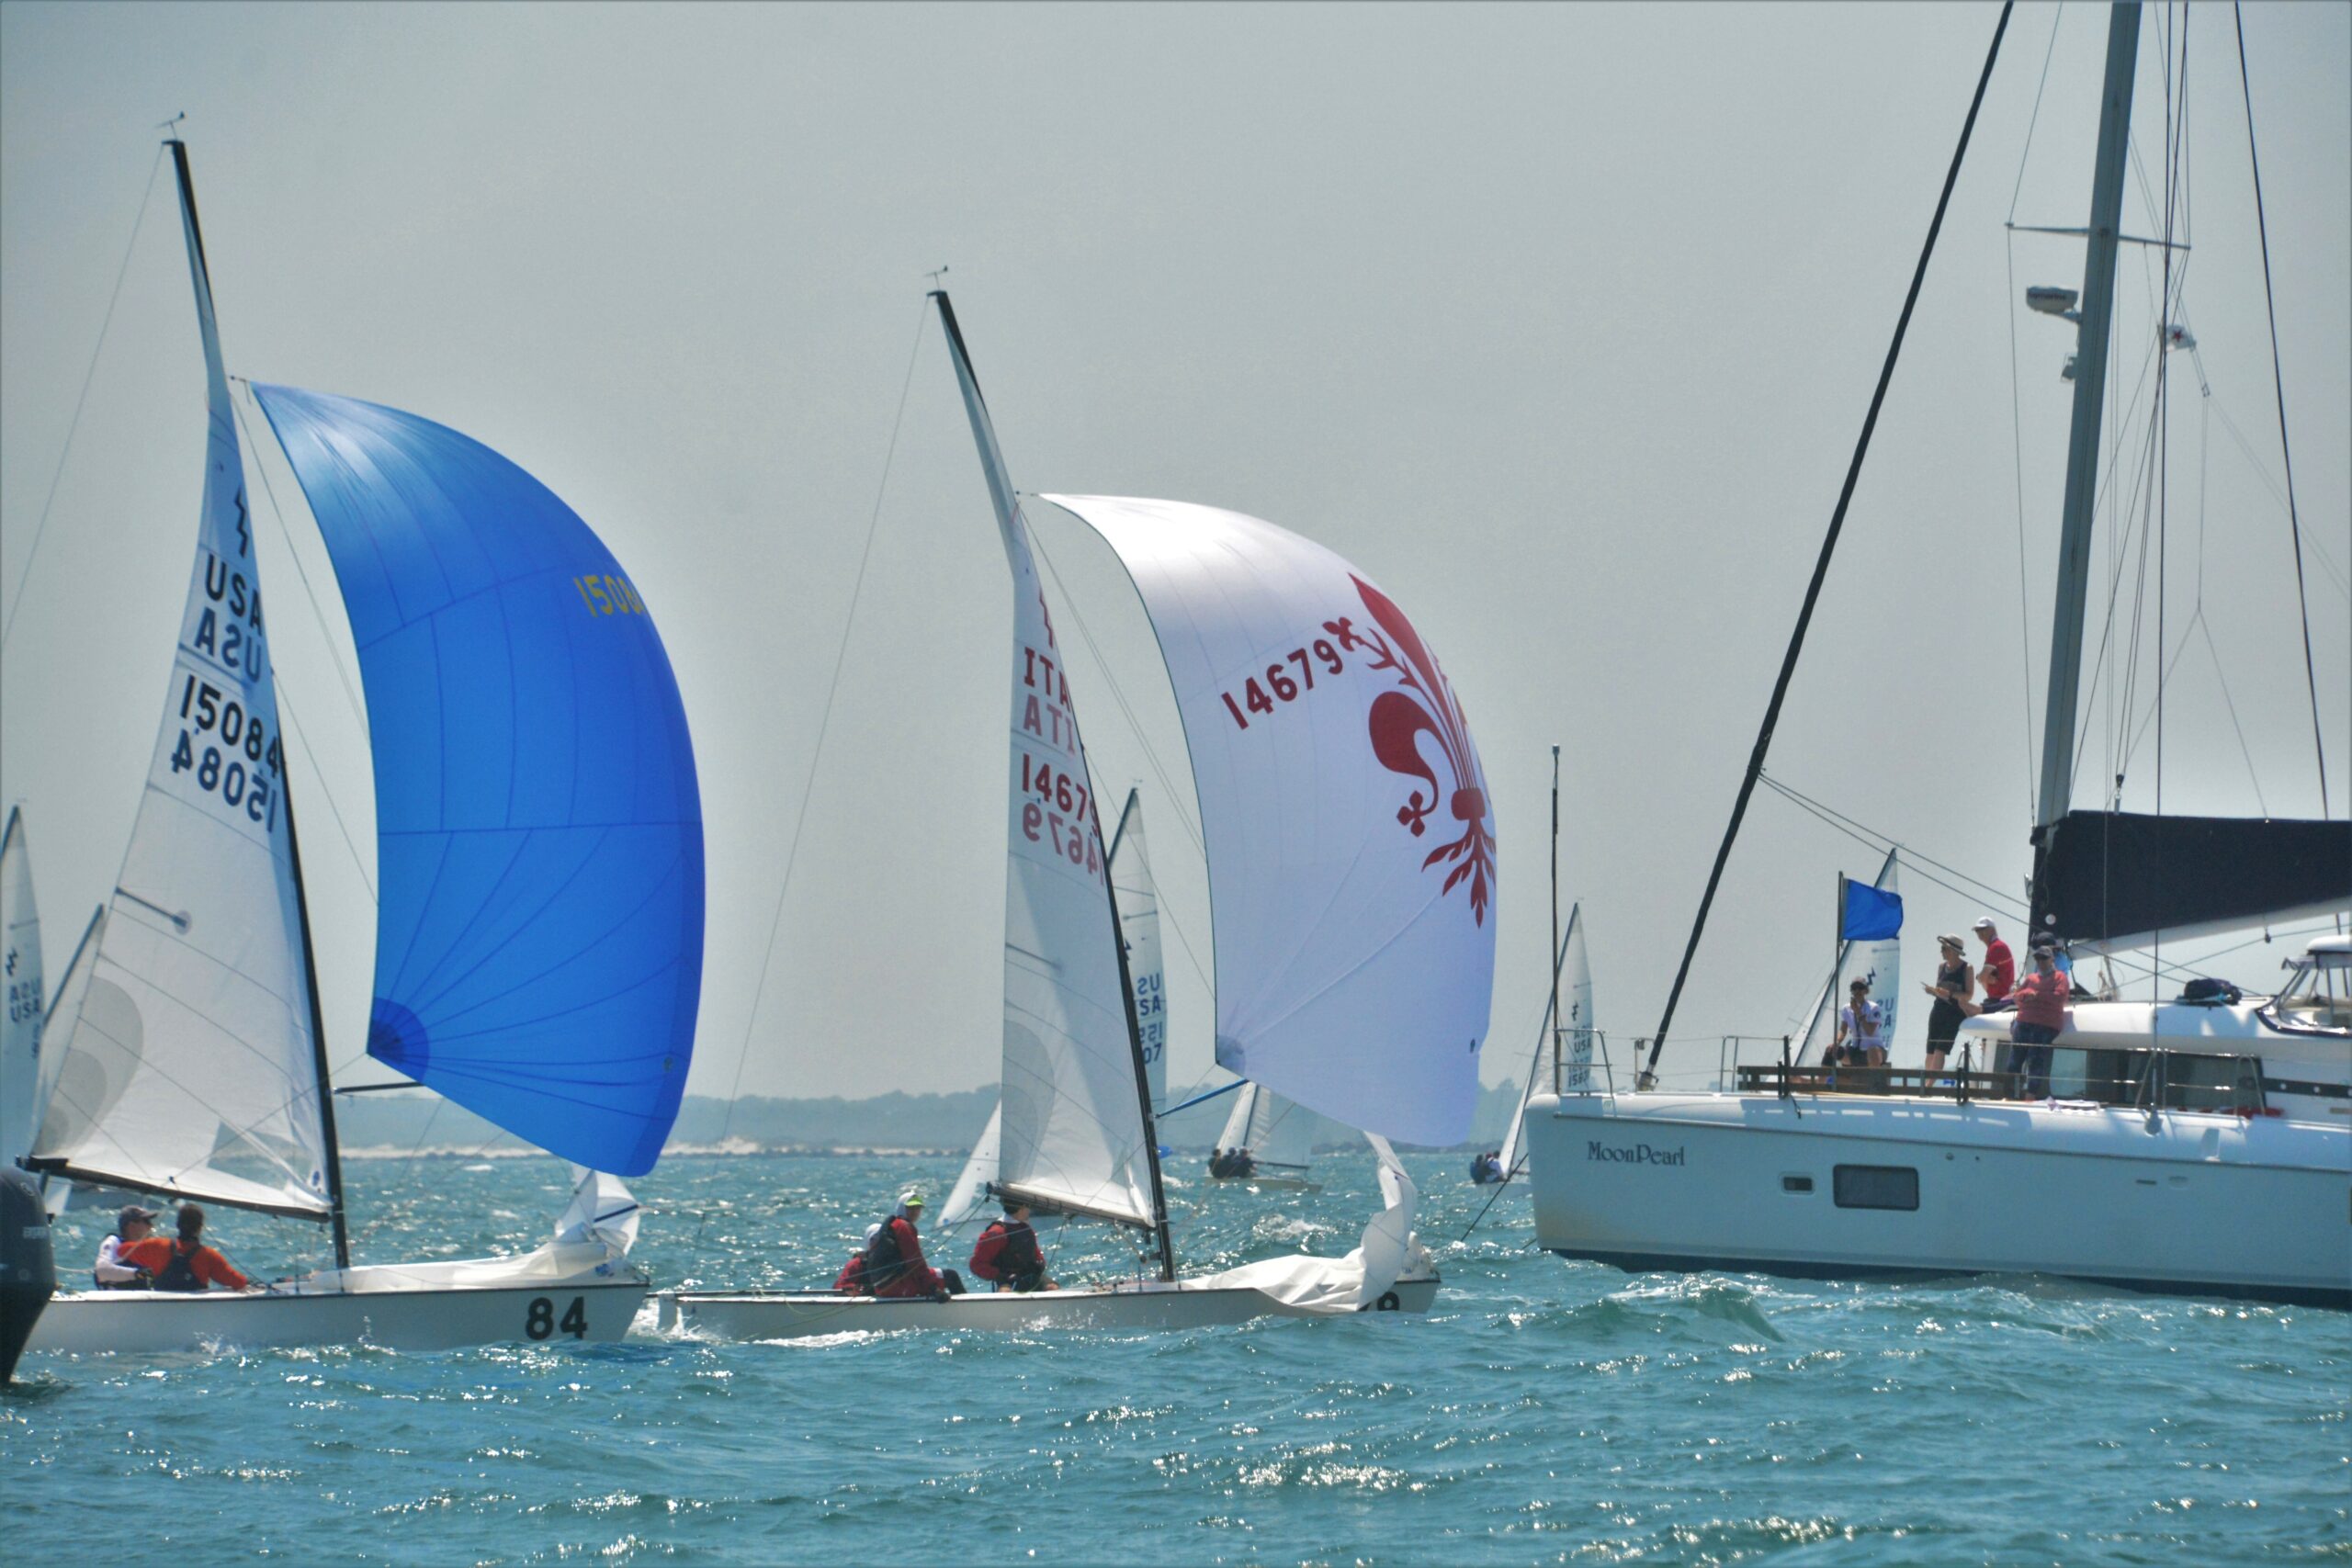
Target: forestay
{"type": "Point", "coordinates": [20, 989]}
{"type": "Point", "coordinates": [1071, 1126]}
{"type": "Point", "coordinates": [1140, 928]}
{"type": "Point", "coordinates": [1351, 841]}
{"type": "Point", "coordinates": [188, 1064]}
{"type": "Point", "coordinates": [1573, 1038]}
{"type": "Point", "coordinates": [538, 955]}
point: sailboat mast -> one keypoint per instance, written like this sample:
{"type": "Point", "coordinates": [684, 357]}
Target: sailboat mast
{"type": "Point", "coordinates": [2090, 390]}
{"type": "Point", "coordinates": [1556, 919]}
{"type": "Point", "coordinates": [332, 1152]}
{"type": "Point", "coordinates": [1143, 1079]}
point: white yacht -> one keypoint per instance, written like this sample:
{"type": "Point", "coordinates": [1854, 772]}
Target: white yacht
{"type": "Point", "coordinates": [2202, 1146]}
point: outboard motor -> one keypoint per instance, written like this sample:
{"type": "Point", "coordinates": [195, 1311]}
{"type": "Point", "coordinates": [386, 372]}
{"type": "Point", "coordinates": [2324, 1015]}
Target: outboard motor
{"type": "Point", "coordinates": [28, 1266]}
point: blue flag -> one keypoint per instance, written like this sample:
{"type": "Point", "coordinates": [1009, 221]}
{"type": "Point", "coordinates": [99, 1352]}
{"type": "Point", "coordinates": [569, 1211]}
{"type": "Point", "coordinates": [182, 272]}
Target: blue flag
{"type": "Point", "coordinates": [1871, 915]}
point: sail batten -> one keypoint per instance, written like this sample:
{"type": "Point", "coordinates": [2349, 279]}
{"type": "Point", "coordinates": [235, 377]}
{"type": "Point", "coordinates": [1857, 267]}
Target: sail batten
{"type": "Point", "coordinates": [538, 815]}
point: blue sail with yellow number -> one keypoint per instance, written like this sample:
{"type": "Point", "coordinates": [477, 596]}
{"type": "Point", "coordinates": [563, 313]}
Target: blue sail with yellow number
{"type": "Point", "coordinates": [538, 948]}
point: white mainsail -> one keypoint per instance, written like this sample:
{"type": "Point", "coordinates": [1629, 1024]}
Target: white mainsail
{"type": "Point", "coordinates": [186, 1065]}
{"type": "Point", "coordinates": [1071, 1123]}
{"type": "Point", "coordinates": [1350, 843]}
{"type": "Point", "coordinates": [1575, 1036]}
{"type": "Point", "coordinates": [1879, 963]}
{"type": "Point", "coordinates": [1140, 927]}
{"type": "Point", "coordinates": [26, 1002]}
{"type": "Point", "coordinates": [1274, 1132]}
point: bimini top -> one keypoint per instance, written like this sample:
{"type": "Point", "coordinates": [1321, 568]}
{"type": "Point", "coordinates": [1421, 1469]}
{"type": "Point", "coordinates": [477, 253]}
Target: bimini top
{"type": "Point", "coordinates": [539, 950]}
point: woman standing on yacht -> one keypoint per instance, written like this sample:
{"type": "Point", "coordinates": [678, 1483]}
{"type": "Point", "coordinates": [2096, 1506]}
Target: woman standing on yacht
{"type": "Point", "coordinates": [1955, 985]}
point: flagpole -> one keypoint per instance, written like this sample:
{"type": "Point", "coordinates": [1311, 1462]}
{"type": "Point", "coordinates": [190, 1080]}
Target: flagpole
{"type": "Point", "coordinates": [1837, 961]}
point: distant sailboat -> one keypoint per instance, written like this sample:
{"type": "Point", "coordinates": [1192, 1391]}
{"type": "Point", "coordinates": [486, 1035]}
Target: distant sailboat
{"type": "Point", "coordinates": [539, 919]}
{"type": "Point", "coordinates": [1386, 971]}
{"type": "Point", "coordinates": [1267, 1141]}
{"type": "Point", "coordinates": [1138, 903]}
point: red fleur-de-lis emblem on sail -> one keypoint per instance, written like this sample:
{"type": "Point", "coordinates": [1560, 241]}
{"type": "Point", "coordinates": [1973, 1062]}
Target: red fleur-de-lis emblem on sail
{"type": "Point", "coordinates": [1423, 703]}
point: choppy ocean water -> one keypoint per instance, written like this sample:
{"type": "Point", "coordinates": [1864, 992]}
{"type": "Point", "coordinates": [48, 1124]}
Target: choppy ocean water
{"type": "Point", "coordinates": [1545, 1412]}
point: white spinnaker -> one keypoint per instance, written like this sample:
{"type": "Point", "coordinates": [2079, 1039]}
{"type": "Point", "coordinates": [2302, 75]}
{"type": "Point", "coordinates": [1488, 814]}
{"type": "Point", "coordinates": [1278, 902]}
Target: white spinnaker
{"type": "Point", "coordinates": [1350, 845]}
{"type": "Point", "coordinates": [602, 1209]}
{"type": "Point", "coordinates": [1070, 1118]}
{"type": "Point", "coordinates": [1341, 1285]}
{"type": "Point", "coordinates": [970, 1194]}
{"type": "Point", "coordinates": [1880, 963]}
{"type": "Point", "coordinates": [21, 988]}
{"type": "Point", "coordinates": [1576, 1038]}
{"type": "Point", "coordinates": [188, 1066]}
{"type": "Point", "coordinates": [1139, 926]}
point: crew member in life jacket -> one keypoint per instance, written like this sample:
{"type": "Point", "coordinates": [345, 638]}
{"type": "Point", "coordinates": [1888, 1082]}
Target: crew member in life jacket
{"type": "Point", "coordinates": [111, 1273]}
{"type": "Point", "coordinates": [892, 1263]}
{"type": "Point", "coordinates": [1007, 1253]}
{"type": "Point", "coordinates": [1230, 1165]}
{"type": "Point", "coordinates": [1486, 1169]}
{"type": "Point", "coordinates": [185, 1263]}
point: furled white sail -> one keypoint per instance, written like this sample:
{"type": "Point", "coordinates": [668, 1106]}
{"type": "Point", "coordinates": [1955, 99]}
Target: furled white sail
{"type": "Point", "coordinates": [603, 1211]}
{"type": "Point", "coordinates": [1275, 1132]}
{"type": "Point", "coordinates": [1070, 1118]}
{"type": "Point", "coordinates": [969, 1197]}
{"type": "Point", "coordinates": [1139, 926]}
{"type": "Point", "coordinates": [20, 987]}
{"type": "Point", "coordinates": [1879, 963]}
{"type": "Point", "coordinates": [187, 1066]}
{"type": "Point", "coordinates": [1353, 1283]}
{"type": "Point", "coordinates": [1574, 1036]}
{"type": "Point", "coordinates": [1351, 841]}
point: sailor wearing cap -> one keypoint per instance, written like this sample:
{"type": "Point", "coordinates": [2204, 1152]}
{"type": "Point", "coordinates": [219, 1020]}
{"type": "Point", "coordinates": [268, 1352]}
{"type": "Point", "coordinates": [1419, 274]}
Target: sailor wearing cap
{"type": "Point", "coordinates": [134, 1223]}
{"type": "Point", "coordinates": [1999, 970]}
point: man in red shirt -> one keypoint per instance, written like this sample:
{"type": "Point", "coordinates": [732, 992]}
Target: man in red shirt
{"type": "Point", "coordinates": [1999, 970]}
{"type": "Point", "coordinates": [186, 1263]}
{"type": "Point", "coordinates": [2040, 1018]}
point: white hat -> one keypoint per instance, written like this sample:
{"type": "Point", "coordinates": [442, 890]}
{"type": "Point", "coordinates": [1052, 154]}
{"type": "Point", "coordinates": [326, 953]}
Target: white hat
{"type": "Point", "coordinates": [1984, 923]}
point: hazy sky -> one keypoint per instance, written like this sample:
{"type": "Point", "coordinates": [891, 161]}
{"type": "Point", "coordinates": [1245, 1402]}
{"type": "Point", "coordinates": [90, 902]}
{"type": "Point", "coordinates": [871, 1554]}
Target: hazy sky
{"type": "Point", "coordinates": [1558, 323]}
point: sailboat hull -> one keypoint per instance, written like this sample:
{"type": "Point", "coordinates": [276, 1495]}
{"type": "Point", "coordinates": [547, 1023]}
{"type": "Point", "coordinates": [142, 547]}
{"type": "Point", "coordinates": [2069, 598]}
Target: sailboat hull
{"type": "Point", "coordinates": [429, 1318]}
{"type": "Point", "coordinates": [1827, 1187]}
{"type": "Point", "coordinates": [780, 1315]}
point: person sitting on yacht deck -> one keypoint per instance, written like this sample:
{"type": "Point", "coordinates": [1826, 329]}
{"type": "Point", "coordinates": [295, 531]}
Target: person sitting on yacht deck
{"type": "Point", "coordinates": [2041, 1018]}
{"type": "Point", "coordinates": [185, 1263]}
{"type": "Point", "coordinates": [1859, 1043]}
{"type": "Point", "coordinates": [1007, 1253]}
{"type": "Point", "coordinates": [894, 1260]}
{"type": "Point", "coordinates": [1999, 970]}
{"type": "Point", "coordinates": [133, 1224]}
{"type": "Point", "coordinates": [1955, 984]}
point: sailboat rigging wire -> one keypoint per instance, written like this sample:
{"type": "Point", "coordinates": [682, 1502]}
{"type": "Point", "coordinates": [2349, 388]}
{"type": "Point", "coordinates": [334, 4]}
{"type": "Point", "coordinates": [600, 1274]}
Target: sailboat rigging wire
{"type": "Point", "coordinates": [75, 425]}
{"type": "Point", "coordinates": [2049, 53]}
{"type": "Point", "coordinates": [294, 722]}
{"type": "Point", "coordinates": [2016, 455]}
{"type": "Point", "coordinates": [2278, 385]}
{"type": "Point", "coordinates": [1829, 543]}
{"type": "Point", "coordinates": [269, 491]}
{"type": "Point", "coordinates": [824, 722]}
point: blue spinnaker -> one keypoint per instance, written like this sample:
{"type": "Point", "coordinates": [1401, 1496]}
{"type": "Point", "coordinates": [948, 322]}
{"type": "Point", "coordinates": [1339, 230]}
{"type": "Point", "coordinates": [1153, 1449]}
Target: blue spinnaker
{"type": "Point", "coordinates": [539, 947]}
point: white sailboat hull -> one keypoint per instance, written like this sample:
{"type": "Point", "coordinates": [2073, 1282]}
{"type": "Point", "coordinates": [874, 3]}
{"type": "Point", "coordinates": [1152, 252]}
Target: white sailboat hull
{"type": "Point", "coordinates": [427, 1315]}
{"type": "Point", "coordinates": [1147, 1304]}
{"type": "Point", "coordinates": [2185, 1201]}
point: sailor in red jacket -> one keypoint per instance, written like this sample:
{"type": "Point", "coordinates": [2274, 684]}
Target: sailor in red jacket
{"type": "Point", "coordinates": [1007, 1253]}
{"type": "Point", "coordinates": [894, 1262]}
